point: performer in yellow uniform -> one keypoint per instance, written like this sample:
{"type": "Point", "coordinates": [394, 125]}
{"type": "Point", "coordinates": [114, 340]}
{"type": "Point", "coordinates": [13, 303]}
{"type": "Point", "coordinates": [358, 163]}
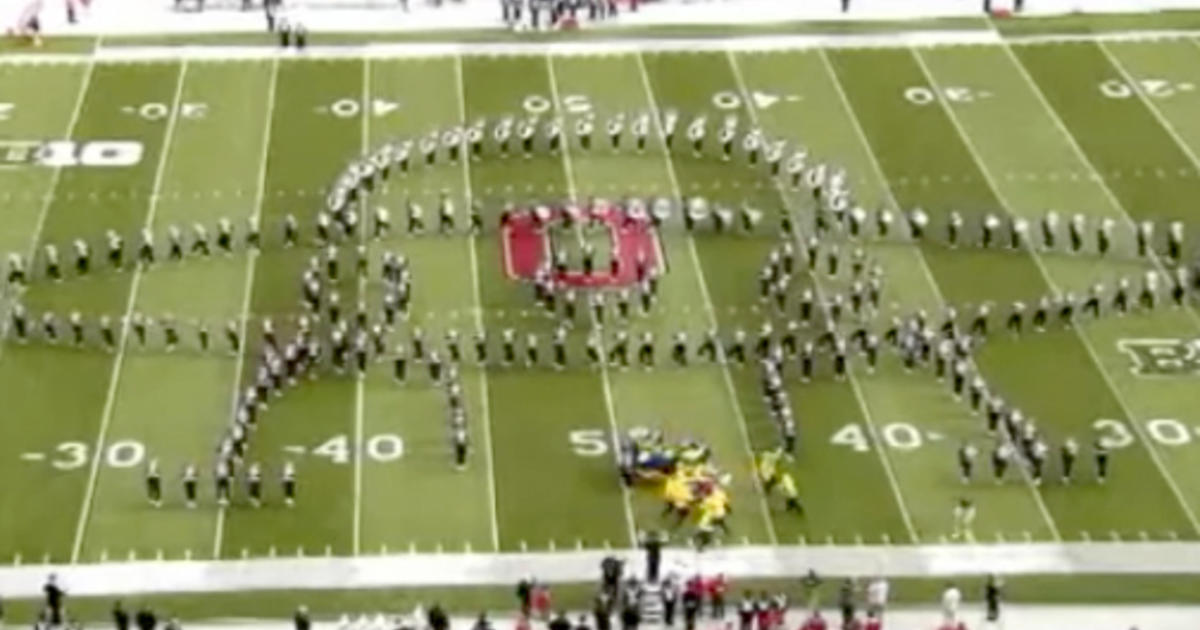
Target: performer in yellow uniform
{"type": "Point", "coordinates": [713, 510]}
{"type": "Point", "coordinates": [678, 495]}
{"type": "Point", "coordinates": [768, 469]}
{"type": "Point", "coordinates": [791, 498]}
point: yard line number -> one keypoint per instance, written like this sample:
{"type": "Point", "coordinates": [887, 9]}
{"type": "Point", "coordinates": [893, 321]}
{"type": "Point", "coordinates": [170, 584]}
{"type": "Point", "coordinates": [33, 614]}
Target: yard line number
{"type": "Point", "coordinates": [1166, 431]}
{"type": "Point", "coordinates": [588, 442]}
{"type": "Point", "coordinates": [382, 448]}
{"type": "Point", "coordinates": [75, 455]}
{"type": "Point", "coordinates": [537, 104]}
{"type": "Point", "coordinates": [159, 111]}
{"type": "Point", "coordinates": [924, 95]}
{"type": "Point", "coordinates": [900, 436]}
{"type": "Point", "coordinates": [1154, 88]}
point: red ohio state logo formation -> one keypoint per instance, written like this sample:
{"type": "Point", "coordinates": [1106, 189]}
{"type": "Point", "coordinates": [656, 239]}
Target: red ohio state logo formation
{"type": "Point", "coordinates": [529, 245]}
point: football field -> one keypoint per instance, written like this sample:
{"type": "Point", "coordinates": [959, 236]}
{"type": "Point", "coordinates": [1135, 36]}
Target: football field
{"type": "Point", "coordinates": [1106, 129]}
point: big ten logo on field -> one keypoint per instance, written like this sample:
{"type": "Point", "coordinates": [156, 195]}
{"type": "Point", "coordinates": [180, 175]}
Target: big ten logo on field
{"type": "Point", "coordinates": [60, 153]}
{"type": "Point", "coordinates": [1163, 357]}
{"type": "Point", "coordinates": [604, 245]}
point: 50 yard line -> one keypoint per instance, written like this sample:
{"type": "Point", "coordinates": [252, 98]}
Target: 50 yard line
{"type": "Point", "coordinates": [710, 310]}
{"type": "Point", "coordinates": [483, 379]}
{"type": "Point", "coordinates": [248, 282]}
{"type": "Point", "coordinates": [606, 383]}
{"type": "Point", "coordinates": [115, 377]}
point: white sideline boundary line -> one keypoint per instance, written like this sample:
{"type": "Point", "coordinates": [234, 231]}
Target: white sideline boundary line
{"type": "Point", "coordinates": [482, 569]}
{"type": "Point", "coordinates": [604, 47]}
{"type": "Point", "coordinates": [110, 401]}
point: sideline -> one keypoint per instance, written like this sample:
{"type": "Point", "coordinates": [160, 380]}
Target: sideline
{"type": "Point", "coordinates": [484, 569]}
{"type": "Point", "coordinates": [747, 43]}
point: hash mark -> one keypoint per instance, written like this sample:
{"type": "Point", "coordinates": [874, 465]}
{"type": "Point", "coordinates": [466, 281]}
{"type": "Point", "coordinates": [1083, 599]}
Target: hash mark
{"type": "Point", "coordinates": [1112, 533]}
{"type": "Point", "coordinates": [33, 457]}
{"type": "Point", "coordinates": [1087, 538]}
{"type": "Point", "coordinates": [887, 540]}
{"type": "Point", "coordinates": [1028, 535]}
{"type": "Point", "coordinates": [245, 553]}
{"type": "Point", "coordinates": [300, 551]}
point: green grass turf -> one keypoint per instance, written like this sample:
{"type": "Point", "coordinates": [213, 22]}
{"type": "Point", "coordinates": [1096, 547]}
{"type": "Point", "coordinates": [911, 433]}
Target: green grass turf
{"type": "Point", "coordinates": [1017, 133]}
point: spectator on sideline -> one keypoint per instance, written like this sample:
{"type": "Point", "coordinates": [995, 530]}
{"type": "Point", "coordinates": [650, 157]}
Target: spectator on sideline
{"type": "Point", "coordinates": [525, 595]}
{"type": "Point", "coordinates": [559, 622]}
{"type": "Point", "coordinates": [991, 596]}
{"type": "Point", "coordinates": [119, 616]}
{"type": "Point", "coordinates": [54, 599]}
{"type": "Point", "coordinates": [951, 598]}
{"type": "Point", "coordinates": [301, 620]}
{"type": "Point", "coordinates": [846, 600]}
{"type": "Point", "coordinates": [877, 596]}
{"type": "Point", "coordinates": [716, 588]}
{"type": "Point", "coordinates": [145, 619]}
{"type": "Point", "coordinates": [812, 589]}
{"type": "Point", "coordinates": [541, 600]}
{"type": "Point", "coordinates": [652, 542]}
{"type": "Point", "coordinates": [814, 622]}
{"type": "Point", "coordinates": [437, 618]}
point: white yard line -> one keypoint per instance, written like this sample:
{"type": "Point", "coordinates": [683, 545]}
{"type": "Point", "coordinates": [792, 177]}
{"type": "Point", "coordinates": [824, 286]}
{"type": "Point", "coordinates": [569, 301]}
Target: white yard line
{"type": "Point", "coordinates": [1087, 343]}
{"type": "Point", "coordinates": [605, 381]}
{"type": "Point", "coordinates": [360, 385]}
{"type": "Point", "coordinates": [709, 309]}
{"type": "Point", "coordinates": [48, 200]}
{"type": "Point", "coordinates": [485, 399]}
{"type": "Point", "coordinates": [115, 376]}
{"type": "Point", "coordinates": [868, 418]}
{"type": "Point", "coordinates": [1038, 499]}
{"type": "Point", "coordinates": [248, 281]}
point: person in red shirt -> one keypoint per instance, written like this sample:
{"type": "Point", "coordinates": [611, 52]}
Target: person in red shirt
{"type": "Point", "coordinates": [716, 588]}
{"type": "Point", "coordinates": [814, 622]}
{"type": "Point", "coordinates": [541, 601]}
